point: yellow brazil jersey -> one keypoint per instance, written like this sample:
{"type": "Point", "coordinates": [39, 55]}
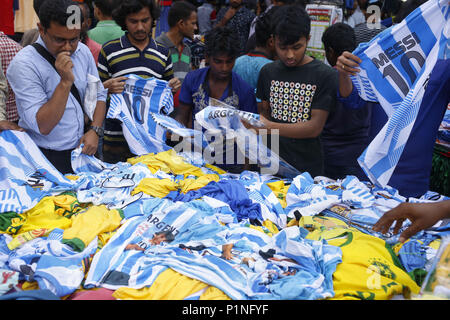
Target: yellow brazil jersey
{"type": "Point", "coordinates": [369, 270]}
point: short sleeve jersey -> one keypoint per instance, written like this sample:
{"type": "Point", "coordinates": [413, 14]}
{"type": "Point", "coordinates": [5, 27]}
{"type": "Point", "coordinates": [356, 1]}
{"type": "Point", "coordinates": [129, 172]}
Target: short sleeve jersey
{"type": "Point", "coordinates": [292, 93]}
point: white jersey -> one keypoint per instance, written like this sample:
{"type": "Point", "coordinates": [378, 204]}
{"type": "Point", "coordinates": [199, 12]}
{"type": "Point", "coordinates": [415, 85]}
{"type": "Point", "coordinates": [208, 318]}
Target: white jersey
{"type": "Point", "coordinates": [134, 107]}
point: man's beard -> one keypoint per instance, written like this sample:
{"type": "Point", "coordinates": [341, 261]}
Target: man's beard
{"type": "Point", "coordinates": [139, 36]}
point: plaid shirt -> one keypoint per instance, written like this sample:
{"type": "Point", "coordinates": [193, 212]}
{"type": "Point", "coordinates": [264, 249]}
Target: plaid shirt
{"type": "Point", "coordinates": [8, 49]}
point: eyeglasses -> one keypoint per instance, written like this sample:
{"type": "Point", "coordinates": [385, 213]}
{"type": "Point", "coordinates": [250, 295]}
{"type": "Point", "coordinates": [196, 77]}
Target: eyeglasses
{"type": "Point", "coordinates": [61, 41]}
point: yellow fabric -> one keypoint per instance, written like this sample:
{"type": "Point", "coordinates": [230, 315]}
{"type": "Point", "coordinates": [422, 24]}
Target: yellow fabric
{"type": "Point", "coordinates": [216, 169]}
{"type": "Point", "coordinates": [155, 187]}
{"type": "Point", "coordinates": [160, 188]}
{"type": "Point", "coordinates": [368, 269]}
{"type": "Point", "coordinates": [212, 293]}
{"type": "Point", "coordinates": [30, 285]}
{"type": "Point", "coordinates": [43, 216]}
{"type": "Point", "coordinates": [292, 222]}
{"type": "Point", "coordinates": [270, 226]}
{"type": "Point", "coordinates": [86, 225]}
{"type": "Point", "coordinates": [72, 177]}
{"type": "Point", "coordinates": [435, 244]}
{"type": "Point", "coordinates": [169, 285]}
{"type": "Point", "coordinates": [280, 191]}
{"type": "Point", "coordinates": [167, 161]}
{"type": "Point", "coordinates": [66, 205]}
{"type": "Point", "coordinates": [323, 227]}
{"type": "Point", "coordinates": [187, 185]}
{"type": "Point", "coordinates": [104, 237]}
{"type": "Point", "coordinates": [22, 238]}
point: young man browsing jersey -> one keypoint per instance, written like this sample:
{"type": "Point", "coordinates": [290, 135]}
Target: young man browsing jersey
{"type": "Point", "coordinates": [134, 53]}
{"type": "Point", "coordinates": [48, 110]}
{"type": "Point", "coordinates": [216, 81]}
{"type": "Point", "coordinates": [346, 132]}
{"type": "Point", "coordinates": [297, 92]}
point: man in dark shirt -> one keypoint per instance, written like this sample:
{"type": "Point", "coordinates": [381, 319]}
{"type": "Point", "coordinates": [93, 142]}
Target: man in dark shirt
{"type": "Point", "coordinates": [297, 93]}
{"type": "Point", "coordinates": [217, 81]}
{"type": "Point", "coordinates": [346, 132]}
{"type": "Point", "coordinates": [238, 18]}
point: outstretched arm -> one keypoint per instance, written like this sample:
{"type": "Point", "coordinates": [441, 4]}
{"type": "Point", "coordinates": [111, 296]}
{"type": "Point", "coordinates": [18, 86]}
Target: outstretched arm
{"type": "Point", "coordinates": [421, 215]}
{"type": "Point", "coordinates": [299, 130]}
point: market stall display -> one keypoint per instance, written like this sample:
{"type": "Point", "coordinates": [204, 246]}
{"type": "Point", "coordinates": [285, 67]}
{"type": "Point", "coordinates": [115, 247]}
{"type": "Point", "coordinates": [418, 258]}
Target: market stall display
{"type": "Point", "coordinates": [72, 233]}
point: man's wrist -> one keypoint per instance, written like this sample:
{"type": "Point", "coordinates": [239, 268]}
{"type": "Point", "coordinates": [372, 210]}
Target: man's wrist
{"type": "Point", "coordinates": [66, 84]}
{"type": "Point", "coordinates": [98, 130]}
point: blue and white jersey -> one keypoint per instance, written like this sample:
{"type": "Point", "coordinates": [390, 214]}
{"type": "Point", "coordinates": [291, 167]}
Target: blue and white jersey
{"type": "Point", "coordinates": [114, 266]}
{"type": "Point", "coordinates": [112, 186]}
{"type": "Point", "coordinates": [54, 265]}
{"type": "Point", "coordinates": [60, 269]}
{"type": "Point", "coordinates": [196, 252]}
{"type": "Point", "coordinates": [134, 106]}
{"type": "Point", "coordinates": [26, 176]}
{"type": "Point", "coordinates": [395, 68]}
{"type": "Point", "coordinates": [191, 137]}
{"type": "Point", "coordinates": [21, 161]}
{"type": "Point", "coordinates": [272, 265]}
{"type": "Point", "coordinates": [271, 208]}
{"type": "Point", "coordinates": [225, 124]}
{"type": "Point", "coordinates": [83, 163]}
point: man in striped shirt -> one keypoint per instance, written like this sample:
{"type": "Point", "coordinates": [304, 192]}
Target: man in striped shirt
{"type": "Point", "coordinates": [133, 53]}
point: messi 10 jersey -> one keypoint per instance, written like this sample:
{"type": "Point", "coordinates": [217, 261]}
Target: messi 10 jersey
{"type": "Point", "coordinates": [134, 107]}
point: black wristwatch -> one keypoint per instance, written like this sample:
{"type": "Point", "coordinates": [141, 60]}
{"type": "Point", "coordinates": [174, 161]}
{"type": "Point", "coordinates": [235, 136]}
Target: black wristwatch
{"type": "Point", "coordinates": [97, 130]}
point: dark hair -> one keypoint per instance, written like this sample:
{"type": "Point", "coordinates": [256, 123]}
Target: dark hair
{"type": "Point", "coordinates": [37, 5]}
{"type": "Point", "coordinates": [264, 27]}
{"type": "Point", "coordinates": [127, 7]}
{"type": "Point", "coordinates": [86, 7]}
{"type": "Point", "coordinates": [293, 24]}
{"type": "Point", "coordinates": [339, 36]}
{"type": "Point", "coordinates": [56, 11]}
{"type": "Point", "coordinates": [286, 2]}
{"type": "Point", "coordinates": [406, 8]}
{"type": "Point", "coordinates": [222, 40]}
{"type": "Point", "coordinates": [106, 6]}
{"type": "Point", "coordinates": [180, 10]}
{"type": "Point", "coordinates": [168, 234]}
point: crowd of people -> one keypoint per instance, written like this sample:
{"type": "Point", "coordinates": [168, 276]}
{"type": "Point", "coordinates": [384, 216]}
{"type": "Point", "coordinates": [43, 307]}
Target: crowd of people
{"type": "Point", "coordinates": [255, 59]}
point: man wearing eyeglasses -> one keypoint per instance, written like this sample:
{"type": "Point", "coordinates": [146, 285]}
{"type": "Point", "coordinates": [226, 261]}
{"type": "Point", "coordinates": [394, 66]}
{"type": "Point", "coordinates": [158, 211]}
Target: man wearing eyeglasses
{"type": "Point", "coordinates": [48, 106]}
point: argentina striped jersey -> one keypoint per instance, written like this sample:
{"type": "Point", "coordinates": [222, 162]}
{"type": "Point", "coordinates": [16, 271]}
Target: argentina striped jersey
{"type": "Point", "coordinates": [134, 107]}
{"type": "Point", "coordinates": [395, 68]}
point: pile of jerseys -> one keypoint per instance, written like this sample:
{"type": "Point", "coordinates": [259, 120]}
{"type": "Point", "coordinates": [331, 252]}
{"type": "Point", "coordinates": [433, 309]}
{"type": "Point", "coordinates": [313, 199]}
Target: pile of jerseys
{"type": "Point", "coordinates": [168, 225]}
